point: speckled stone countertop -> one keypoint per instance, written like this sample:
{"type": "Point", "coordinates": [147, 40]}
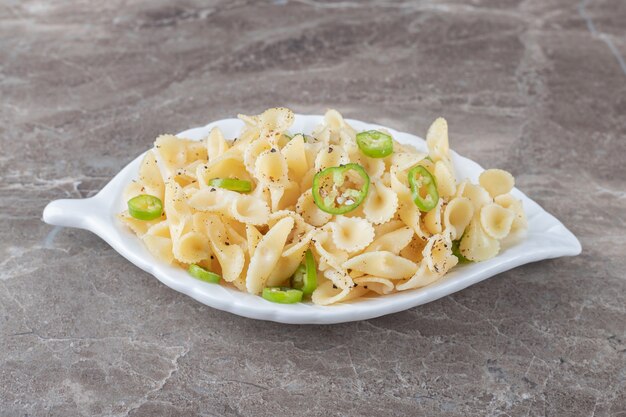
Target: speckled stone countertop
{"type": "Point", "coordinates": [537, 87]}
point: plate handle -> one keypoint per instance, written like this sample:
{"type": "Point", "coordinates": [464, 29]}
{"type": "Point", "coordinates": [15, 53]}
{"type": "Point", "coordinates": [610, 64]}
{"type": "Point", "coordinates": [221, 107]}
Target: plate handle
{"type": "Point", "coordinates": [71, 212]}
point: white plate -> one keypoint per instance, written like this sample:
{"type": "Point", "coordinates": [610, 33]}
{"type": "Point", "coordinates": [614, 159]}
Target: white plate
{"type": "Point", "coordinates": [546, 238]}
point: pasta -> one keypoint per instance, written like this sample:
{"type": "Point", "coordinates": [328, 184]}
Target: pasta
{"type": "Point", "coordinates": [351, 233]}
{"type": "Point", "coordinates": [496, 220]}
{"type": "Point", "coordinates": [496, 182]}
{"type": "Point", "coordinates": [334, 214]}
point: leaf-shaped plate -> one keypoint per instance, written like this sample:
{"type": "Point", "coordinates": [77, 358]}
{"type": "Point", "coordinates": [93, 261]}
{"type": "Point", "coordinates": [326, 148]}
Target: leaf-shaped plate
{"type": "Point", "coordinates": [546, 238]}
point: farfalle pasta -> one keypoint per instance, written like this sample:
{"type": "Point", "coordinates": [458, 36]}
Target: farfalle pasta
{"type": "Point", "coordinates": [333, 215]}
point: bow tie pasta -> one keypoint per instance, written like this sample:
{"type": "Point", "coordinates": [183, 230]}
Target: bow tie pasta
{"type": "Point", "coordinates": [331, 215]}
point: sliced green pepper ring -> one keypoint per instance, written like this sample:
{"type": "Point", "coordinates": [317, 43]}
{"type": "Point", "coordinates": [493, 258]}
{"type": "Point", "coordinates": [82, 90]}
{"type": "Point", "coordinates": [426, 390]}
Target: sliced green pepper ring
{"type": "Point", "coordinates": [202, 274]}
{"type": "Point", "coordinates": [282, 295]}
{"type": "Point", "coordinates": [145, 207]}
{"type": "Point", "coordinates": [305, 277]}
{"type": "Point", "coordinates": [339, 190]}
{"type": "Point", "coordinates": [423, 188]}
{"type": "Point", "coordinates": [375, 144]}
{"type": "Point", "coordinates": [456, 251]}
{"type": "Point", "coordinates": [233, 184]}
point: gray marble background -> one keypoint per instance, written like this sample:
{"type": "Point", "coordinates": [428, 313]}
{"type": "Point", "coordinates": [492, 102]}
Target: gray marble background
{"type": "Point", "coordinates": [537, 87]}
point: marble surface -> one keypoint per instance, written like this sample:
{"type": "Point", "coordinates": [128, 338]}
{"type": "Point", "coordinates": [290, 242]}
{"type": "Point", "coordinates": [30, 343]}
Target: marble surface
{"type": "Point", "coordinates": [537, 87]}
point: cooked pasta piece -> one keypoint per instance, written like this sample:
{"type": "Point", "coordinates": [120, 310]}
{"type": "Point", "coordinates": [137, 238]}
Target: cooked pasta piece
{"type": "Point", "coordinates": [383, 264]}
{"type": "Point", "coordinates": [393, 241]}
{"type": "Point", "coordinates": [437, 139]}
{"type": "Point", "coordinates": [252, 152]}
{"type": "Point", "coordinates": [446, 183]}
{"type": "Point", "coordinates": [310, 212]}
{"type": "Point", "coordinates": [433, 221]}
{"type": "Point", "coordinates": [378, 285]}
{"type": "Point", "coordinates": [340, 279]}
{"type": "Point", "coordinates": [456, 216]}
{"type": "Point", "coordinates": [422, 278]}
{"type": "Point", "coordinates": [172, 151]}
{"type": "Point", "coordinates": [192, 247]}
{"type": "Point", "coordinates": [331, 156]}
{"type": "Point", "coordinates": [403, 161]}
{"type": "Point", "coordinates": [150, 180]}
{"type": "Point", "coordinates": [477, 195]}
{"type": "Point", "coordinates": [413, 251]}
{"type": "Point", "coordinates": [476, 245]}
{"type": "Point", "coordinates": [140, 227]}
{"type": "Point", "coordinates": [330, 256]}
{"type": "Point", "coordinates": [375, 167]}
{"type": "Point", "coordinates": [267, 254]}
{"type": "Point", "coordinates": [509, 202]}
{"type": "Point", "coordinates": [390, 226]}
{"type": "Point", "coordinates": [327, 293]}
{"type": "Point", "coordinates": [216, 145]}
{"type": "Point", "coordinates": [351, 233]}
{"type": "Point", "coordinates": [253, 237]}
{"type": "Point", "coordinates": [380, 204]}
{"type": "Point", "coordinates": [159, 242]}
{"type": "Point", "coordinates": [496, 220]}
{"type": "Point", "coordinates": [496, 182]}
{"type": "Point", "coordinates": [228, 165]}
{"type": "Point", "coordinates": [230, 257]}
{"type": "Point", "coordinates": [271, 168]}
{"type": "Point", "coordinates": [289, 198]}
{"type": "Point", "coordinates": [438, 254]}
{"type": "Point", "coordinates": [295, 155]}
{"type": "Point", "coordinates": [277, 119]}
{"type": "Point", "coordinates": [244, 208]}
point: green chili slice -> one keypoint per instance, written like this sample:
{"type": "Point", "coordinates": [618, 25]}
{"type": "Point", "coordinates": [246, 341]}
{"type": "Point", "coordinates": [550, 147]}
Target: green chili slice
{"type": "Point", "coordinates": [145, 207]}
{"type": "Point", "coordinates": [305, 277]}
{"type": "Point", "coordinates": [423, 188]}
{"type": "Point", "coordinates": [282, 295]}
{"type": "Point", "coordinates": [232, 184]}
{"type": "Point", "coordinates": [375, 144]}
{"type": "Point", "coordinates": [202, 274]}
{"type": "Point", "coordinates": [456, 251]}
{"type": "Point", "coordinates": [339, 190]}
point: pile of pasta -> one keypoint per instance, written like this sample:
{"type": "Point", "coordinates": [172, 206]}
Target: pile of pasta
{"type": "Point", "coordinates": [258, 239]}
